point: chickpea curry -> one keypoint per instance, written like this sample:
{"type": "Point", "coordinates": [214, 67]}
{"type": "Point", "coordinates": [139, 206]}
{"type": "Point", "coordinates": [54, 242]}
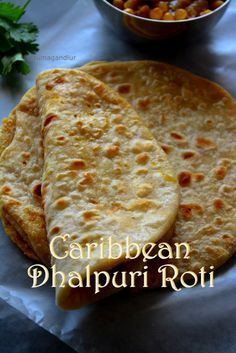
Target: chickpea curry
{"type": "Point", "coordinates": [167, 10]}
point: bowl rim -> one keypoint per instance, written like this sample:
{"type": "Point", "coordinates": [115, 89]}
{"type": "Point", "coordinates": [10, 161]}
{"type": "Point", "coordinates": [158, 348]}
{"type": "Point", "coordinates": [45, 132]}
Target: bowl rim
{"type": "Point", "coordinates": [226, 2]}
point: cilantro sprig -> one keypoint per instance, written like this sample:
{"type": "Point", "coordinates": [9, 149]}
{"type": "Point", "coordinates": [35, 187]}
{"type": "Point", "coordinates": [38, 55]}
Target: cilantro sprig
{"type": "Point", "coordinates": [16, 39]}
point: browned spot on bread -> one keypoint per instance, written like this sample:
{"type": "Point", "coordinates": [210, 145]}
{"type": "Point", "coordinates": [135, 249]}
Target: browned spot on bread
{"type": "Point", "coordinates": [77, 164]}
{"type": "Point", "coordinates": [121, 189]}
{"type": "Point", "coordinates": [90, 214]}
{"type": "Point", "coordinates": [142, 158]}
{"type": "Point", "coordinates": [96, 150]}
{"type": "Point", "coordinates": [61, 138]}
{"type": "Point", "coordinates": [226, 237]}
{"type": "Point", "coordinates": [226, 162]}
{"type": "Point", "coordinates": [87, 179]}
{"type": "Point", "coordinates": [115, 206]}
{"type": "Point", "coordinates": [93, 201]}
{"type": "Point", "coordinates": [117, 119]}
{"type": "Point", "coordinates": [148, 146]}
{"type": "Point", "coordinates": [142, 205]}
{"type": "Point", "coordinates": [72, 132]}
{"type": "Point", "coordinates": [142, 171]}
{"type": "Point", "coordinates": [137, 148]}
{"type": "Point", "coordinates": [117, 171]}
{"type": "Point", "coordinates": [12, 203]}
{"type": "Point", "coordinates": [60, 80]}
{"type": "Point", "coordinates": [30, 107]}
{"type": "Point", "coordinates": [124, 88]}
{"type": "Point", "coordinates": [143, 103]}
{"type": "Point", "coordinates": [203, 142]}
{"type": "Point", "coordinates": [218, 204]}
{"type": "Point", "coordinates": [83, 131]}
{"type": "Point", "coordinates": [112, 151]}
{"type": "Point", "coordinates": [162, 118]}
{"type": "Point", "coordinates": [220, 173]}
{"type": "Point", "coordinates": [61, 203]}
{"type": "Point", "coordinates": [167, 148]}
{"type": "Point", "coordinates": [144, 190]}
{"type": "Point", "coordinates": [91, 98]}
{"type": "Point", "coordinates": [211, 251]}
{"type": "Point", "coordinates": [37, 190]}
{"type": "Point", "coordinates": [199, 177]}
{"type": "Point", "coordinates": [26, 155]}
{"type": "Point", "coordinates": [225, 188]}
{"type": "Point", "coordinates": [49, 119]}
{"type": "Point", "coordinates": [49, 86]}
{"type": "Point", "coordinates": [81, 187]}
{"type": "Point", "coordinates": [218, 221]}
{"type": "Point", "coordinates": [209, 122]}
{"type": "Point", "coordinates": [189, 155]}
{"type": "Point", "coordinates": [186, 210]}
{"type": "Point", "coordinates": [184, 178]}
{"type": "Point", "coordinates": [55, 230]}
{"type": "Point", "coordinates": [194, 252]}
{"type": "Point", "coordinates": [177, 136]}
{"type": "Point", "coordinates": [121, 129]}
{"type": "Point", "coordinates": [32, 215]}
{"type": "Point", "coordinates": [6, 190]}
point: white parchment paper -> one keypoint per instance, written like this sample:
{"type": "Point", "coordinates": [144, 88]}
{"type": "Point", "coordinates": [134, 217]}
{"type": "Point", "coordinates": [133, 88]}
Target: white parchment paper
{"type": "Point", "coordinates": [194, 320]}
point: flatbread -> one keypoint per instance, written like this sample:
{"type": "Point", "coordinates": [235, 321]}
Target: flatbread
{"type": "Point", "coordinates": [20, 179]}
{"type": "Point", "coordinates": [104, 174]}
{"type": "Point", "coordinates": [194, 120]}
{"type": "Point", "coordinates": [7, 131]}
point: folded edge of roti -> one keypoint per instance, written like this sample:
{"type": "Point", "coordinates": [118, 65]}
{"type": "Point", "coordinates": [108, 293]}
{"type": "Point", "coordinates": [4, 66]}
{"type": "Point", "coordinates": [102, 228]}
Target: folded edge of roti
{"type": "Point", "coordinates": [104, 174]}
{"type": "Point", "coordinates": [20, 179]}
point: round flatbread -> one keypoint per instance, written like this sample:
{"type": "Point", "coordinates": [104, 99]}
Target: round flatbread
{"type": "Point", "coordinates": [194, 120]}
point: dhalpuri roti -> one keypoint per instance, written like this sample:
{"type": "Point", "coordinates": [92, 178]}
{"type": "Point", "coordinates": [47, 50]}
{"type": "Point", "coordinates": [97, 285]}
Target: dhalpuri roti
{"type": "Point", "coordinates": [104, 175]}
{"type": "Point", "coordinates": [194, 120]}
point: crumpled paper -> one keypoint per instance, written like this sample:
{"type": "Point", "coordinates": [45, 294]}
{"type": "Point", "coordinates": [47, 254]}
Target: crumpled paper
{"type": "Point", "coordinates": [198, 319]}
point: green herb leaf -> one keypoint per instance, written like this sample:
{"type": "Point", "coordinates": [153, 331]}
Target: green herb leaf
{"type": "Point", "coordinates": [5, 43]}
{"type": "Point", "coordinates": [16, 39]}
{"type": "Point", "coordinates": [4, 24]}
{"type": "Point", "coordinates": [11, 11]}
{"type": "Point", "coordinates": [15, 61]}
{"type": "Point", "coordinates": [23, 32]}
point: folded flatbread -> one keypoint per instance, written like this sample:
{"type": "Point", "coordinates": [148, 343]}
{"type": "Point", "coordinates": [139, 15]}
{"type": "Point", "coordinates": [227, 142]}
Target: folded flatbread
{"type": "Point", "coordinates": [194, 120]}
{"type": "Point", "coordinates": [104, 174]}
{"type": "Point", "coordinates": [20, 179]}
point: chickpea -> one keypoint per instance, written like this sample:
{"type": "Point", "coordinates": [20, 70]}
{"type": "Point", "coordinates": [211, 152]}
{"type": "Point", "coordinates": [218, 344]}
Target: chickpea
{"type": "Point", "coordinates": [196, 7]}
{"type": "Point", "coordinates": [164, 6]}
{"type": "Point", "coordinates": [118, 3]}
{"type": "Point", "coordinates": [184, 3]}
{"type": "Point", "coordinates": [143, 11]}
{"type": "Point", "coordinates": [216, 4]}
{"type": "Point", "coordinates": [191, 12]}
{"type": "Point", "coordinates": [131, 11]}
{"type": "Point", "coordinates": [181, 14]}
{"type": "Point", "coordinates": [156, 14]}
{"type": "Point", "coordinates": [131, 4]}
{"type": "Point", "coordinates": [168, 16]}
{"type": "Point", "coordinates": [205, 12]}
